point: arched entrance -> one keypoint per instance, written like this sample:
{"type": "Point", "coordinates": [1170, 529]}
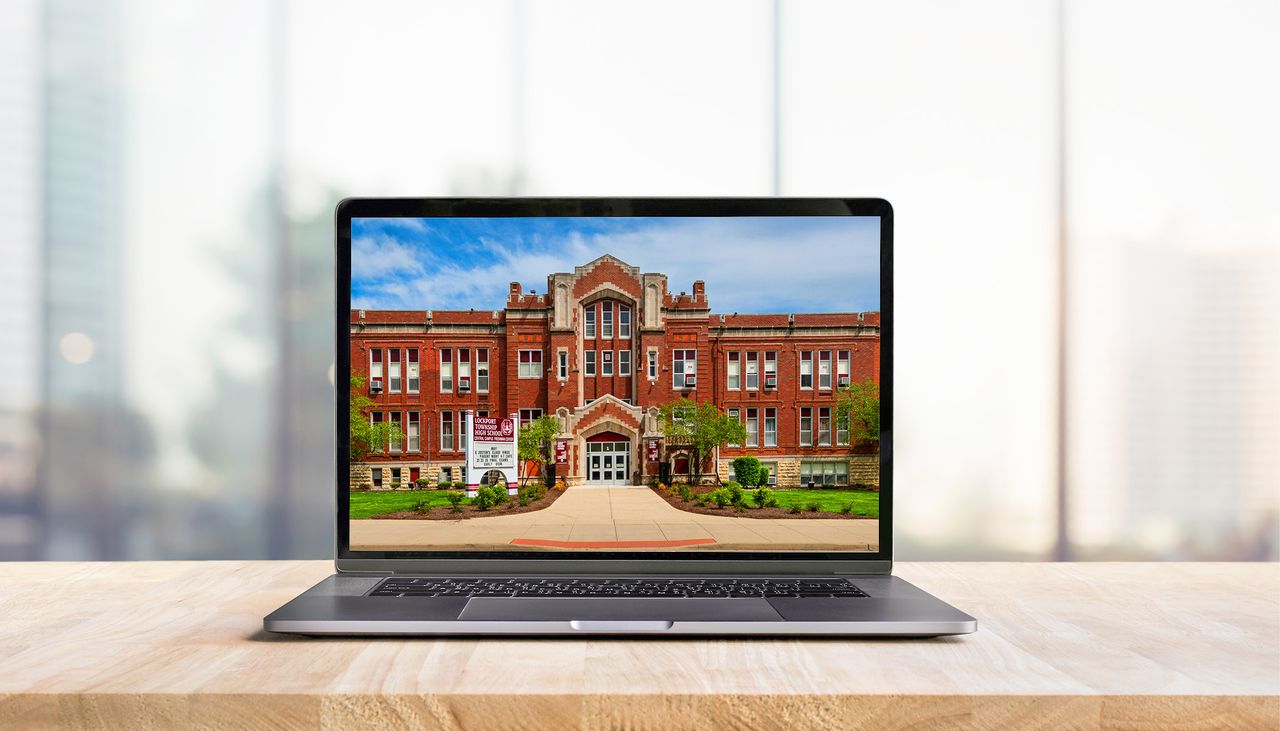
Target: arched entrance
{"type": "Point", "coordinates": [493, 477]}
{"type": "Point", "coordinates": [608, 459]}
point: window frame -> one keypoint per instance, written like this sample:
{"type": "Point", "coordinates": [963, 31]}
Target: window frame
{"type": "Point", "coordinates": [380, 376]}
{"type": "Point", "coordinates": [533, 364]}
{"type": "Point", "coordinates": [770, 418]}
{"type": "Point", "coordinates": [482, 370]}
{"type": "Point", "coordinates": [736, 414]}
{"type": "Point", "coordinates": [589, 363]}
{"type": "Point", "coordinates": [393, 446]}
{"type": "Point", "coordinates": [806, 415]}
{"type": "Point", "coordinates": [413, 370]}
{"type": "Point", "coordinates": [624, 363]}
{"type": "Point", "coordinates": [562, 365]}
{"type": "Point", "coordinates": [606, 364]}
{"type": "Point", "coordinates": [589, 321]}
{"type": "Point", "coordinates": [733, 371]}
{"type": "Point", "coordinates": [653, 364]}
{"type": "Point", "coordinates": [606, 319]}
{"type": "Point", "coordinates": [413, 432]}
{"type": "Point", "coordinates": [446, 370]}
{"type": "Point", "coordinates": [753, 427]}
{"type": "Point", "coordinates": [446, 420]}
{"type": "Point", "coordinates": [827, 376]}
{"type": "Point", "coordinates": [464, 368]}
{"type": "Point", "coordinates": [751, 363]}
{"type": "Point", "coordinates": [806, 359]}
{"type": "Point", "coordinates": [395, 382]}
{"type": "Point", "coordinates": [679, 355]}
{"type": "Point", "coordinates": [624, 322]}
{"type": "Point", "coordinates": [824, 431]}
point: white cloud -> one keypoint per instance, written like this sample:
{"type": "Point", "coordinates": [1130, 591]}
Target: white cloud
{"type": "Point", "coordinates": [377, 256]}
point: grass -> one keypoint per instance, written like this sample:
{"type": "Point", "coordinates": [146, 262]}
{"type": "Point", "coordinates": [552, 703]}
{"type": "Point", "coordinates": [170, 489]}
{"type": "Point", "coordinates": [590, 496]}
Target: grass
{"type": "Point", "coordinates": [369, 504]}
{"type": "Point", "coordinates": [831, 501]}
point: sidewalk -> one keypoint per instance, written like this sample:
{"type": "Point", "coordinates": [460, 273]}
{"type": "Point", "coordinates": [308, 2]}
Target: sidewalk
{"type": "Point", "coordinates": [617, 518]}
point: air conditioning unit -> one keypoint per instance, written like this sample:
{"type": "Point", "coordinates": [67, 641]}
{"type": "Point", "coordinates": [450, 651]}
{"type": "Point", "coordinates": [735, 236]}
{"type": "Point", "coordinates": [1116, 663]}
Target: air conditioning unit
{"type": "Point", "coordinates": [690, 381]}
{"type": "Point", "coordinates": [842, 381]}
{"type": "Point", "coordinates": [770, 380]}
{"type": "Point", "coordinates": [375, 385]}
{"type": "Point", "coordinates": [464, 383]}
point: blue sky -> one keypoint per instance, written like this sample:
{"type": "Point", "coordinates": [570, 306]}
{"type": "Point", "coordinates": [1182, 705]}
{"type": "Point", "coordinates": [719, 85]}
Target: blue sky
{"type": "Point", "coordinates": [755, 264]}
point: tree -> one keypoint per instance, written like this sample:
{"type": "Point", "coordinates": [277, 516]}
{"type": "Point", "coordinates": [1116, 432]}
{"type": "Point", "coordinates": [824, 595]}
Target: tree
{"type": "Point", "coordinates": [858, 410]}
{"type": "Point", "coordinates": [365, 436]}
{"type": "Point", "coordinates": [699, 427]}
{"type": "Point", "coordinates": [535, 440]}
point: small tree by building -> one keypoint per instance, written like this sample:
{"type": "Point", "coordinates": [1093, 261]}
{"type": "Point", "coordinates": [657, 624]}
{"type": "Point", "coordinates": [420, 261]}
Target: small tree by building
{"type": "Point", "coordinates": [858, 410]}
{"type": "Point", "coordinates": [700, 428]}
{"type": "Point", "coordinates": [535, 442]}
{"type": "Point", "coordinates": [367, 437]}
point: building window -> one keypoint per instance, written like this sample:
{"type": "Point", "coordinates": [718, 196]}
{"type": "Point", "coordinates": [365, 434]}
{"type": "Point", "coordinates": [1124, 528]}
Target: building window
{"type": "Point", "coordinates": [375, 418]}
{"type": "Point", "coordinates": [446, 431]}
{"type": "Point", "coordinates": [528, 416]}
{"type": "Point", "coordinates": [415, 432]}
{"type": "Point", "coordinates": [736, 415]}
{"type": "Point", "coordinates": [464, 369]}
{"type": "Point", "coordinates": [734, 380]}
{"type": "Point", "coordinates": [753, 427]}
{"type": "Point", "coordinates": [770, 427]}
{"type": "Point", "coordinates": [482, 370]}
{"type": "Point", "coordinates": [824, 473]}
{"type": "Point", "coordinates": [624, 321]}
{"type": "Point", "coordinates": [806, 369]}
{"type": "Point", "coordinates": [753, 371]}
{"type": "Point", "coordinates": [589, 363]}
{"type": "Point", "coordinates": [531, 364]}
{"type": "Point", "coordinates": [842, 369]}
{"type": "Point", "coordinates": [606, 319]}
{"type": "Point", "coordinates": [375, 371]}
{"type": "Point", "coordinates": [412, 368]}
{"type": "Point", "coordinates": [806, 426]}
{"type": "Point", "coordinates": [395, 477]}
{"type": "Point", "coordinates": [606, 362]}
{"type": "Point", "coordinates": [589, 321]}
{"type": "Point", "coordinates": [771, 369]}
{"type": "Point", "coordinates": [824, 426]}
{"type": "Point", "coordinates": [773, 471]}
{"type": "Point", "coordinates": [824, 370]}
{"type": "Point", "coordinates": [653, 365]}
{"type": "Point", "coordinates": [684, 369]}
{"type": "Point", "coordinates": [396, 444]}
{"type": "Point", "coordinates": [446, 370]}
{"type": "Point", "coordinates": [464, 428]}
{"type": "Point", "coordinates": [393, 370]}
{"type": "Point", "coordinates": [562, 365]}
{"type": "Point", "coordinates": [624, 362]}
{"type": "Point", "coordinates": [377, 476]}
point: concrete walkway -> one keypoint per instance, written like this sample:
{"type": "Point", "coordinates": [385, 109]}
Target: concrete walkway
{"type": "Point", "coordinates": [617, 518]}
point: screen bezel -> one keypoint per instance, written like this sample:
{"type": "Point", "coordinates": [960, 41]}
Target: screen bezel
{"type": "Point", "coordinates": [503, 561]}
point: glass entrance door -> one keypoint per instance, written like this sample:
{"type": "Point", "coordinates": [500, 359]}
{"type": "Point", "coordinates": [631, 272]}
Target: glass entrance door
{"type": "Point", "coordinates": [607, 463]}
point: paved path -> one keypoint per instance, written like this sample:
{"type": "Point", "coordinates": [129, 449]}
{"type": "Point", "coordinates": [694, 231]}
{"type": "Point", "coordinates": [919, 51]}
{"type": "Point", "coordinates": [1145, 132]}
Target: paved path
{"type": "Point", "coordinates": [601, 517]}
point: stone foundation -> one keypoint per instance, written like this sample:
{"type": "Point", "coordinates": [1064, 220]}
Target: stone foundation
{"type": "Point", "coordinates": [864, 469]}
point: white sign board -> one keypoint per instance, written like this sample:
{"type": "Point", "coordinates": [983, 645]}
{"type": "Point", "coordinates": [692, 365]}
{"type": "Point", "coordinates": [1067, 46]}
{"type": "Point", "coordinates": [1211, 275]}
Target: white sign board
{"type": "Point", "coordinates": [491, 445]}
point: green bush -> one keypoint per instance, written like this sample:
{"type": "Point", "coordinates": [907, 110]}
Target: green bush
{"type": "Point", "coordinates": [720, 497]}
{"type": "Point", "coordinates": [488, 497]}
{"type": "Point", "coordinates": [422, 506]}
{"type": "Point", "coordinates": [395, 484]}
{"type": "Point", "coordinates": [845, 510]}
{"type": "Point", "coordinates": [771, 502]}
{"type": "Point", "coordinates": [794, 510]}
{"type": "Point", "coordinates": [762, 496]}
{"type": "Point", "coordinates": [455, 499]}
{"type": "Point", "coordinates": [746, 470]}
{"type": "Point", "coordinates": [813, 507]}
{"type": "Point", "coordinates": [736, 493]}
{"type": "Point", "coordinates": [444, 485]}
{"type": "Point", "coordinates": [459, 485]}
{"type": "Point", "coordinates": [686, 493]}
{"type": "Point", "coordinates": [422, 483]}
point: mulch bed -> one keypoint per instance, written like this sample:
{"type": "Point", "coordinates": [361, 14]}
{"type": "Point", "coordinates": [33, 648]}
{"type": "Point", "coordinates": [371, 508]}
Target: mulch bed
{"type": "Point", "coordinates": [445, 512]}
{"type": "Point", "coordinates": [752, 511]}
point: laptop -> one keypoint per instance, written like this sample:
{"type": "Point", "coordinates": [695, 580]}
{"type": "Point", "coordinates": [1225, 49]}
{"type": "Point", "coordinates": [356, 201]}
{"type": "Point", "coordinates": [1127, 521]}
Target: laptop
{"type": "Point", "coordinates": [606, 416]}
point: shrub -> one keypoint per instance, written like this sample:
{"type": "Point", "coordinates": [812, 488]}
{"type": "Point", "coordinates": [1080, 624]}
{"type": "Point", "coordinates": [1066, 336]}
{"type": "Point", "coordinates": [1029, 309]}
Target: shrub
{"type": "Point", "coordinates": [720, 497]}
{"type": "Point", "coordinates": [422, 483]}
{"type": "Point", "coordinates": [845, 510]}
{"type": "Point", "coordinates": [746, 470]}
{"type": "Point", "coordinates": [422, 506]}
{"type": "Point", "coordinates": [740, 507]}
{"type": "Point", "coordinates": [560, 485]}
{"type": "Point", "coordinates": [761, 496]}
{"type": "Point", "coordinates": [813, 507]}
{"type": "Point", "coordinates": [771, 502]}
{"type": "Point", "coordinates": [487, 497]}
{"type": "Point", "coordinates": [531, 493]}
{"type": "Point", "coordinates": [794, 509]}
{"type": "Point", "coordinates": [395, 484]}
{"type": "Point", "coordinates": [444, 485]}
{"type": "Point", "coordinates": [735, 491]}
{"type": "Point", "coordinates": [700, 501]}
{"type": "Point", "coordinates": [686, 493]}
{"type": "Point", "coordinates": [455, 499]}
{"type": "Point", "coordinates": [459, 485]}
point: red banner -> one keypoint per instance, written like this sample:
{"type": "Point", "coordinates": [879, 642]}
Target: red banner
{"type": "Point", "coordinates": [653, 450]}
{"type": "Point", "coordinates": [562, 452]}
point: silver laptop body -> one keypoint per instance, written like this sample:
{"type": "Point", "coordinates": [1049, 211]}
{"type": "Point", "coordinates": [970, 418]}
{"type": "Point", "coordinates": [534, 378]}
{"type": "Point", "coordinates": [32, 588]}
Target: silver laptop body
{"type": "Point", "coordinates": [625, 528]}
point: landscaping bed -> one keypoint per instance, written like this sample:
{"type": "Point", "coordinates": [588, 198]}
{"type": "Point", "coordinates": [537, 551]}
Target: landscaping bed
{"type": "Point", "coordinates": [437, 504]}
{"type": "Point", "coordinates": [826, 503]}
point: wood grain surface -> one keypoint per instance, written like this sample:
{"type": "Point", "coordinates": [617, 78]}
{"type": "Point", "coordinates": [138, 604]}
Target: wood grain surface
{"type": "Point", "coordinates": [180, 645]}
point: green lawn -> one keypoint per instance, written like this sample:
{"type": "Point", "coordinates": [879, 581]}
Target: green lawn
{"type": "Point", "coordinates": [369, 504]}
{"type": "Point", "coordinates": [830, 501]}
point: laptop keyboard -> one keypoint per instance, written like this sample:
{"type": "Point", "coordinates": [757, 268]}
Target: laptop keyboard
{"type": "Point", "coordinates": [701, 588]}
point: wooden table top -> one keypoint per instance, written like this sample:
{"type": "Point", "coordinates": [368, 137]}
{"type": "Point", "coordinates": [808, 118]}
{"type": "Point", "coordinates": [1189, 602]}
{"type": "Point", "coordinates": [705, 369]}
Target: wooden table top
{"type": "Point", "coordinates": [180, 644]}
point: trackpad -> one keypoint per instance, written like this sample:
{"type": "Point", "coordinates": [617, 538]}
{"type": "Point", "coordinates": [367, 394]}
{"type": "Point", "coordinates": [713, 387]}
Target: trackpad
{"type": "Point", "coordinates": [502, 609]}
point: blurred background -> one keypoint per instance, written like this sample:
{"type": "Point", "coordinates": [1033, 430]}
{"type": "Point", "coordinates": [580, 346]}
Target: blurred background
{"type": "Point", "coordinates": [1088, 240]}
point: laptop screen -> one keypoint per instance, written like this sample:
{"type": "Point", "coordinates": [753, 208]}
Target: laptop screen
{"type": "Point", "coordinates": [615, 384]}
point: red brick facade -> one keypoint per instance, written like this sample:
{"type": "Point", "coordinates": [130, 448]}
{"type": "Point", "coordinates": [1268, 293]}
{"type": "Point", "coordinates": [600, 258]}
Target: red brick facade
{"type": "Point", "coordinates": [581, 352]}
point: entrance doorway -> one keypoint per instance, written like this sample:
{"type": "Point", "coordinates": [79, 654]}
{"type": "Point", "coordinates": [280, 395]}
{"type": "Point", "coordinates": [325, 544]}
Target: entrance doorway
{"type": "Point", "coordinates": [608, 463]}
